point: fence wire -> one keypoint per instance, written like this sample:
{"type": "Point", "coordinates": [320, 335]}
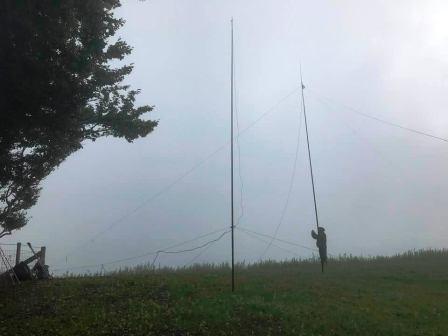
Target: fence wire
{"type": "Point", "coordinates": [10, 251]}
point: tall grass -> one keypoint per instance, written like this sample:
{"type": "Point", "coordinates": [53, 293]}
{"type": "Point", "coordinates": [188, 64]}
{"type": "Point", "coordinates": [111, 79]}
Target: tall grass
{"type": "Point", "coordinates": [418, 258]}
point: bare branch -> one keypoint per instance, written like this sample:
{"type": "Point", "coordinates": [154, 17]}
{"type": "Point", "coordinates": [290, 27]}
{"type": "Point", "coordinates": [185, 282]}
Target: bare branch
{"type": "Point", "coordinates": [4, 233]}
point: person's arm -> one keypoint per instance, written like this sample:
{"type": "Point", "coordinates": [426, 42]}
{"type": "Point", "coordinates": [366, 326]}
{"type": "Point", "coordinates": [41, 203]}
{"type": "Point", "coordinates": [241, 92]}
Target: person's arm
{"type": "Point", "coordinates": [313, 234]}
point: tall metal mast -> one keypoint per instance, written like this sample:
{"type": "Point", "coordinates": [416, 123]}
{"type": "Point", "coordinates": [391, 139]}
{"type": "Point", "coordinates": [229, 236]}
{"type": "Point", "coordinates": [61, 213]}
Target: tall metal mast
{"type": "Point", "coordinates": [309, 151]}
{"type": "Point", "coordinates": [231, 158]}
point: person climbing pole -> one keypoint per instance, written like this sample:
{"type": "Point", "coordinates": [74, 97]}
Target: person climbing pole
{"type": "Point", "coordinates": [321, 243]}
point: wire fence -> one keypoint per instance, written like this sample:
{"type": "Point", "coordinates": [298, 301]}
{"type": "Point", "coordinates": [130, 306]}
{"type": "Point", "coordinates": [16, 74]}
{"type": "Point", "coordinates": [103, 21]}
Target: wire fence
{"type": "Point", "coordinates": [9, 253]}
{"type": "Point", "coordinates": [10, 256]}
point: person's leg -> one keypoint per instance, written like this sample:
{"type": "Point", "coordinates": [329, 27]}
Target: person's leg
{"type": "Point", "coordinates": [322, 258]}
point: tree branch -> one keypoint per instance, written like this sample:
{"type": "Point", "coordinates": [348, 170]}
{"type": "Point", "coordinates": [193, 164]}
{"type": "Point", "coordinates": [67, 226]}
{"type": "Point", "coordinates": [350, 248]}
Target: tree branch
{"type": "Point", "coordinates": [4, 233]}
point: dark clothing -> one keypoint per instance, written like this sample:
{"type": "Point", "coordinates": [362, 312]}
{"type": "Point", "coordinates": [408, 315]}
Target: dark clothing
{"type": "Point", "coordinates": [321, 243]}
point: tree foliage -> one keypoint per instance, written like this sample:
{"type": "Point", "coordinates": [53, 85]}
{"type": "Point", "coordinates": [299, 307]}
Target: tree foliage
{"type": "Point", "coordinates": [58, 88]}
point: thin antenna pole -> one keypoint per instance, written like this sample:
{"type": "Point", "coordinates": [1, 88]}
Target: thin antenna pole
{"type": "Point", "coordinates": [309, 151]}
{"type": "Point", "coordinates": [231, 158]}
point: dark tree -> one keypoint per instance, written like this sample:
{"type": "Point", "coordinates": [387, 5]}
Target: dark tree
{"type": "Point", "coordinates": [58, 89]}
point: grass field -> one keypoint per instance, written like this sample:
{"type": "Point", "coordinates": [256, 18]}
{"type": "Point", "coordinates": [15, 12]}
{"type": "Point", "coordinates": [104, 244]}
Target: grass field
{"type": "Point", "coordinates": [401, 295]}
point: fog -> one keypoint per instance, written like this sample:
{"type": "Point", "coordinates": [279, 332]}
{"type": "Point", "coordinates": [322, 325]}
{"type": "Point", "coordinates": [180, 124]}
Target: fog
{"type": "Point", "coordinates": [380, 189]}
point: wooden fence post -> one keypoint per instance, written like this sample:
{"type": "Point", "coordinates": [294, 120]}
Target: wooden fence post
{"type": "Point", "coordinates": [19, 246]}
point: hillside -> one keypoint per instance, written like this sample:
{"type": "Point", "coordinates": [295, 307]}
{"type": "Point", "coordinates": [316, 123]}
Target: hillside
{"type": "Point", "coordinates": [401, 295]}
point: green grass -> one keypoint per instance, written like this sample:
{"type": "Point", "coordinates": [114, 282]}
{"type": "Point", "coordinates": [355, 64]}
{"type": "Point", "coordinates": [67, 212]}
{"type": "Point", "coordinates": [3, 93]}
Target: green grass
{"type": "Point", "coordinates": [401, 295]}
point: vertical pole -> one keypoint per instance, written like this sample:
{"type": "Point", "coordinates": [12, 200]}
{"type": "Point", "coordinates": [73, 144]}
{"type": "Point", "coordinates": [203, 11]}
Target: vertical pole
{"type": "Point", "coordinates": [309, 151]}
{"type": "Point", "coordinates": [43, 250]}
{"type": "Point", "coordinates": [19, 247]}
{"type": "Point", "coordinates": [231, 159]}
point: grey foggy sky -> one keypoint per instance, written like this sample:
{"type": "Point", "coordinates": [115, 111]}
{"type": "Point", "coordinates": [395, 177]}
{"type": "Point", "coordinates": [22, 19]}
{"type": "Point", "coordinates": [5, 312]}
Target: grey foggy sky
{"type": "Point", "coordinates": [380, 189]}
